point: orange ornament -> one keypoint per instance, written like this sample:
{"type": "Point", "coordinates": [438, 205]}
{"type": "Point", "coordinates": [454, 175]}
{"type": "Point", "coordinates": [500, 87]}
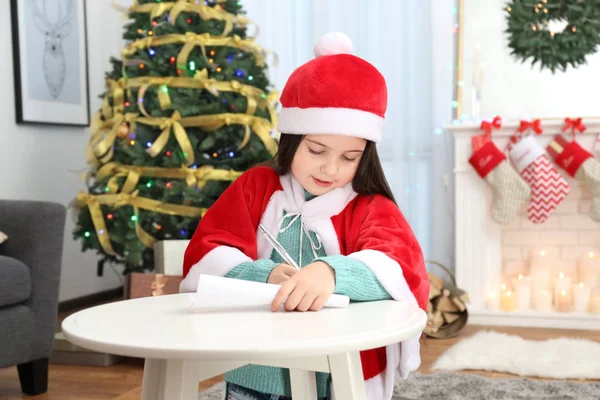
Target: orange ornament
{"type": "Point", "coordinates": [123, 130]}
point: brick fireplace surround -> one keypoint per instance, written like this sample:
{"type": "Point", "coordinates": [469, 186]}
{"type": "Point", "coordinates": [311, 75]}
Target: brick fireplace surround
{"type": "Point", "coordinates": [488, 254]}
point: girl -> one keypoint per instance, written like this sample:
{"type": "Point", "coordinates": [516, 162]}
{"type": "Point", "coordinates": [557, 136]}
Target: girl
{"type": "Point", "coordinates": [326, 199]}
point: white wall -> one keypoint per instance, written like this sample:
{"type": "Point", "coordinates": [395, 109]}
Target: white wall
{"type": "Point", "coordinates": [41, 162]}
{"type": "Point", "coordinates": [514, 90]}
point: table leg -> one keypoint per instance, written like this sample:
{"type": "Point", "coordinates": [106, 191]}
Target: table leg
{"type": "Point", "coordinates": [347, 376]}
{"type": "Point", "coordinates": [304, 384]}
{"type": "Point", "coordinates": [170, 379]}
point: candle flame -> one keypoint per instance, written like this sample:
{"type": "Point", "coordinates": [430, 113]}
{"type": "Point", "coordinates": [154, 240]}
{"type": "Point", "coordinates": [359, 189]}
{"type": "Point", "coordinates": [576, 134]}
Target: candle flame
{"type": "Point", "coordinates": [580, 284]}
{"type": "Point", "coordinates": [563, 292]}
{"type": "Point", "coordinates": [591, 255]}
{"type": "Point", "coordinates": [561, 275]}
{"type": "Point", "coordinates": [503, 287]}
{"type": "Point", "coordinates": [520, 276]}
{"type": "Point", "coordinates": [509, 293]}
{"type": "Point", "coordinates": [543, 253]}
{"type": "Point", "coordinates": [544, 292]}
{"type": "Point", "coordinates": [492, 295]}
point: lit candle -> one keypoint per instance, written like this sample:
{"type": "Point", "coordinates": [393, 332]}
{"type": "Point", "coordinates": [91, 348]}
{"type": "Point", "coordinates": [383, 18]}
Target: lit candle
{"type": "Point", "coordinates": [589, 269]}
{"type": "Point", "coordinates": [522, 286]}
{"type": "Point", "coordinates": [561, 283]}
{"type": "Point", "coordinates": [581, 297]}
{"type": "Point", "coordinates": [595, 303]}
{"type": "Point", "coordinates": [509, 301]}
{"type": "Point", "coordinates": [492, 301]}
{"type": "Point", "coordinates": [563, 301]}
{"type": "Point", "coordinates": [540, 269]}
{"type": "Point", "coordinates": [543, 300]}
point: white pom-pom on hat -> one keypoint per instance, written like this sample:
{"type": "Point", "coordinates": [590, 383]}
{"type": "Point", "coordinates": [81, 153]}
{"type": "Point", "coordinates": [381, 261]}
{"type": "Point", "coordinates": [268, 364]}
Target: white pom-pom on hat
{"type": "Point", "coordinates": [333, 43]}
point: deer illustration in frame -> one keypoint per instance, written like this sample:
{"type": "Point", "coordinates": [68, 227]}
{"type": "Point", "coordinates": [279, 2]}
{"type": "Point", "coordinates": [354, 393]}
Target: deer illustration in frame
{"type": "Point", "coordinates": [50, 62]}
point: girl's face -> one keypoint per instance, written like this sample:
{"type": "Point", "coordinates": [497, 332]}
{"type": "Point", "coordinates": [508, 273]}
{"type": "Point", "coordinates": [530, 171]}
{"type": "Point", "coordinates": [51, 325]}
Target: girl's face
{"type": "Point", "coordinates": [325, 162]}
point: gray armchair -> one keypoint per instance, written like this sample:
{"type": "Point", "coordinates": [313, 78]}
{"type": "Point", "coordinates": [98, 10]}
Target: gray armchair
{"type": "Point", "coordinates": [30, 263]}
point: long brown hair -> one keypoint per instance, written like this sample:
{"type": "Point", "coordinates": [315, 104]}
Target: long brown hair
{"type": "Point", "coordinates": [369, 178]}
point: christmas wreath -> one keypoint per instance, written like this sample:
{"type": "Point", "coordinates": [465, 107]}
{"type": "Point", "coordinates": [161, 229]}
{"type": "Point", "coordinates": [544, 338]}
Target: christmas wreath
{"type": "Point", "coordinates": [554, 33]}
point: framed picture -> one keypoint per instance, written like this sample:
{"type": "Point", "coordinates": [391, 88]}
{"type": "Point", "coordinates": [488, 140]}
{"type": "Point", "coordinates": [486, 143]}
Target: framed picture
{"type": "Point", "coordinates": [50, 62]}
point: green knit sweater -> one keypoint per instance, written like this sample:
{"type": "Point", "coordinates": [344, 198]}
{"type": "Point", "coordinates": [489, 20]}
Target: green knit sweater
{"type": "Point", "coordinates": [352, 278]}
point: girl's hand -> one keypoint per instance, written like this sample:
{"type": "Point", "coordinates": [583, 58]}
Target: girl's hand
{"type": "Point", "coordinates": [307, 289]}
{"type": "Point", "coordinates": [281, 273]}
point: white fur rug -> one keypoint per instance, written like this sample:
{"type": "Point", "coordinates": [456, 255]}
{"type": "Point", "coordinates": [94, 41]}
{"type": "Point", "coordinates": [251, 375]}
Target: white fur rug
{"type": "Point", "coordinates": [555, 358]}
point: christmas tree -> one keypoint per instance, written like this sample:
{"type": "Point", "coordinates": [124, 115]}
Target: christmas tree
{"type": "Point", "coordinates": [187, 109]}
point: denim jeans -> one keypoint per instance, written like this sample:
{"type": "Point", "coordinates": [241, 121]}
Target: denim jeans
{"type": "Point", "coordinates": [235, 392]}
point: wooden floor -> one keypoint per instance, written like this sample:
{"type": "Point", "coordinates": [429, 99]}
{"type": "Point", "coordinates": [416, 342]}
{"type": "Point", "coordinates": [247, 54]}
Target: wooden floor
{"type": "Point", "coordinates": [123, 381]}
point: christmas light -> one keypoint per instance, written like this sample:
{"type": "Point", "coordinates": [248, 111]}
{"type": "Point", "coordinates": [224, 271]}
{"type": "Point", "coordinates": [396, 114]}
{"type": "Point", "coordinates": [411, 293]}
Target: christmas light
{"type": "Point", "coordinates": [250, 77]}
{"type": "Point", "coordinates": [107, 189]}
{"type": "Point", "coordinates": [263, 96]}
{"type": "Point", "coordinates": [151, 52]}
{"type": "Point", "coordinates": [110, 216]}
{"type": "Point", "coordinates": [229, 58]}
{"type": "Point", "coordinates": [158, 227]}
{"type": "Point", "coordinates": [164, 88]}
{"type": "Point", "coordinates": [210, 60]}
{"type": "Point", "coordinates": [212, 52]}
{"type": "Point", "coordinates": [148, 144]}
{"type": "Point", "coordinates": [168, 154]}
{"type": "Point", "coordinates": [169, 185]}
{"type": "Point", "coordinates": [194, 166]}
{"type": "Point", "coordinates": [150, 33]}
{"type": "Point", "coordinates": [127, 104]}
{"type": "Point", "coordinates": [182, 232]}
{"type": "Point", "coordinates": [87, 234]}
{"type": "Point", "coordinates": [154, 23]}
{"type": "Point", "coordinates": [132, 142]}
{"type": "Point", "coordinates": [189, 21]}
{"type": "Point", "coordinates": [215, 155]}
{"type": "Point", "coordinates": [140, 31]}
{"type": "Point", "coordinates": [224, 101]}
{"type": "Point", "coordinates": [239, 73]}
{"type": "Point", "coordinates": [134, 218]}
{"type": "Point", "coordinates": [192, 65]}
{"type": "Point", "coordinates": [231, 154]}
{"type": "Point", "coordinates": [172, 60]}
{"type": "Point", "coordinates": [219, 69]}
{"type": "Point", "coordinates": [101, 231]}
{"type": "Point", "coordinates": [142, 66]}
{"type": "Point", "coordinates": [149, 184]}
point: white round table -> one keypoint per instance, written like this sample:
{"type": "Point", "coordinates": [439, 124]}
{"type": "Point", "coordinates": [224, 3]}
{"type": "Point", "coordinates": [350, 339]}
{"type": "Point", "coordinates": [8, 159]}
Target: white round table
{"type": "Point", "coordinates": [182, 347]}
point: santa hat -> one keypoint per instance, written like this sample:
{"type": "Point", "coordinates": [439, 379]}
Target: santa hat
{"type": "Point", "coordinates": [335, 93]}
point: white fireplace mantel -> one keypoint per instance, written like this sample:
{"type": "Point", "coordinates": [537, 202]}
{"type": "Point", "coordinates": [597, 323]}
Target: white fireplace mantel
{"type": "Point", "coordinates": [478, 237]}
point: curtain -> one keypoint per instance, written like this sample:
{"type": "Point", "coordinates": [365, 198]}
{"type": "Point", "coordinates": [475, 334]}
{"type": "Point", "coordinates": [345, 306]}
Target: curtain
{"type": "Point", "coordinates": [412, 43]}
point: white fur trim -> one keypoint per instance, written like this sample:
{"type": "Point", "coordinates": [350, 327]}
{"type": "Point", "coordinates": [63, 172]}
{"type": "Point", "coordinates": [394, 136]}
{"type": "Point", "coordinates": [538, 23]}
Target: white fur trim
{"type": "Point", "coordinates": [333, 43]}
{"type": "Point", "coordinates": [404, 357]}
{"type": "Point", "coordinates": [333, 121]}
{"type": "Point", "coordinates": [316, 213]}
{"type": "Point", "coordinates": [525, 152]}
{"type": "Point", "coordinates": [219, 261]}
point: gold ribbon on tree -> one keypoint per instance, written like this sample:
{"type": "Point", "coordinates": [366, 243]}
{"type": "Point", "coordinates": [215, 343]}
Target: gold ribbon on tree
{"type": "Point", "coordinates": [205, 12]}
{"type": "Point", "coordinates": [174, 124]}
{"type": "Point", "coordinates": [194, 177]}
{"type": "Point", "coordinates": [93, 202]}
{"type": "Point", "coordinates": [260, 126]}
{"type": "Point", "coordinates": [191, 40]}
{"type": "Point", "coordinates": [115, 88]}
{"type": "Point", "coordinates": [102, 143]}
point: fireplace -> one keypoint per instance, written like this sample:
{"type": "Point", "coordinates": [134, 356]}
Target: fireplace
{"type": "Point", "coordinates": [522, 254]}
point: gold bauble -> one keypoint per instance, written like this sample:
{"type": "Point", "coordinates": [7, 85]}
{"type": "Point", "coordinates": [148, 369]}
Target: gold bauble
{"type": "Point", "coordinates": [123, 130]}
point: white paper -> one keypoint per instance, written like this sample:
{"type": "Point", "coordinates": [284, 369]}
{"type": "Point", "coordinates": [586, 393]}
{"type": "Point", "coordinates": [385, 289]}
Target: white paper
{"type": "Point", "coordinates": [216, 292]}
